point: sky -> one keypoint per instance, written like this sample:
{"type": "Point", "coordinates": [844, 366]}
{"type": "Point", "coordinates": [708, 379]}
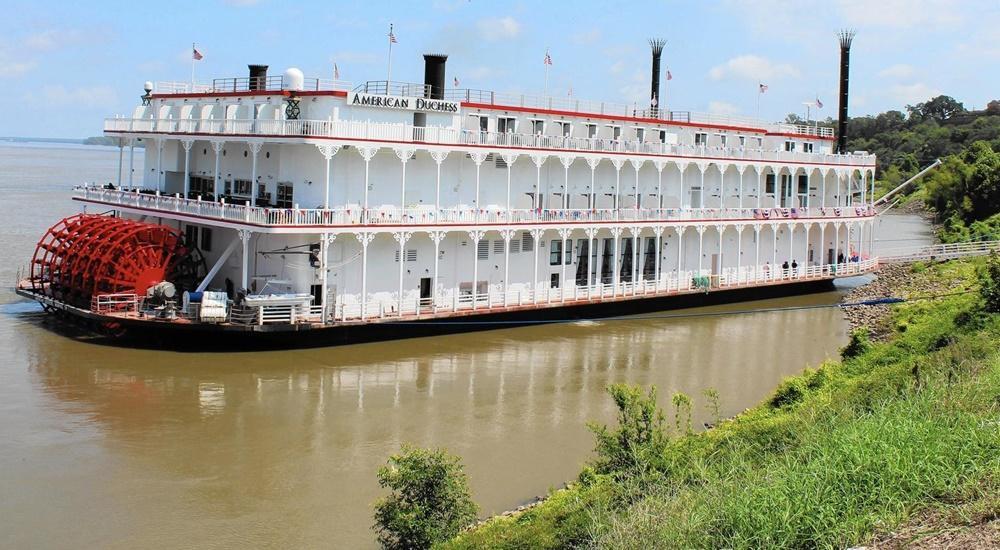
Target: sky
{"type": "Point", "coordinates": [67, 65]}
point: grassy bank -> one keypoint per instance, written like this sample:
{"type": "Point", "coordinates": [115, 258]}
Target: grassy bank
{"type": "Point", "coordinates": [838, 456]}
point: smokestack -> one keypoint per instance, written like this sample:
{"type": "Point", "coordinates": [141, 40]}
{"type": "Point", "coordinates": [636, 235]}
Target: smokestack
{"type": "Point", "coordinates": [846, 37]}
{"type": "Point", "coordinates": [434, 75]}
{"type": "Point", "coordinates": [654, 90]}
{"type": "Point", "coordinates": [258, 77]}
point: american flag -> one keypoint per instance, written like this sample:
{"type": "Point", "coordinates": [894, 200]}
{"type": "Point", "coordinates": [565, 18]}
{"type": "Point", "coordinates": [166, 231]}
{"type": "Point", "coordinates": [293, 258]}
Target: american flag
{"type": "Point", "coordinates": [819, 104]}
{"type": "Point", "coordinates": [456, 82]}
{"type": "Point", "coordinates": [669, 76]}
{"type": "Point", "coordinates": [336, 72]}
{"type": "Point", "coordinates": [548, 58]}
{"type": "Point", "coordinates": [763, 87]}
{"type": "Point", "coordinates": [392, 37]}
{"type": "Point", "coordinates": [195, 54]}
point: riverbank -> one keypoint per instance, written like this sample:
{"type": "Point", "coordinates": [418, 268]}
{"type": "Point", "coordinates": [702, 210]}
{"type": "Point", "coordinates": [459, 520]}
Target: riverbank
{"type": "Point", "coordinates": [859, 451]}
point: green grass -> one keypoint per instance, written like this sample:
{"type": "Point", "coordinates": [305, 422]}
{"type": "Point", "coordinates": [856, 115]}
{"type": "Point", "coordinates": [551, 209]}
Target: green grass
{"type": "Point", "coordinates": [836, 456]}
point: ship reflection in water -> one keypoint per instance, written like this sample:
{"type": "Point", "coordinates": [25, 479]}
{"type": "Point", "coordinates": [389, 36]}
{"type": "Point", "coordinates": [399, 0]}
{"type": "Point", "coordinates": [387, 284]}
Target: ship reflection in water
{"type": "Point", "coordinates": [281, 448]}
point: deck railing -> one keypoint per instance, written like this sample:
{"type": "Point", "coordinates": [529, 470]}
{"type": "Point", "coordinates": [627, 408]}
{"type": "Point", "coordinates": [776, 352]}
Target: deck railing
{"type": "Point", "coordinates": [443, 135]}
{"type": "Point", "coordinates": [461, 215]}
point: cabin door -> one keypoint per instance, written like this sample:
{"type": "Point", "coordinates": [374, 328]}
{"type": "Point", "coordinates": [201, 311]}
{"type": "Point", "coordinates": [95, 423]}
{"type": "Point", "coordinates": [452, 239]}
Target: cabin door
{"type": "Point", "coordinates": [425, 289]}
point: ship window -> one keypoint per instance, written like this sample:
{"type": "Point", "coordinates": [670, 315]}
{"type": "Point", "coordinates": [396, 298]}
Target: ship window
{"type": "Point", "coordinates": [663, 136]}
{"type": "Point", "coordinates": [700, 139]}
{"type": "Point", "coordinates": [807, 147]}
{"type": "Point", "coordinates": [789, 146]}
{"type": "Point", "coordinates": [527, 242]}
{"type": "Point", "coordinates": [564, 128]}
{"type": "Point", "coordinates": [483, 250]}
{"type": "Point", "coordinates": [723, 140]}
{"type": "Point", "coordinates": [554, 281]}
{"type": "Point", "coordinates": [769, 184]}
{"type": "Point", "coordinates": [640, 134]}
{"type": "Point", "coordinates": [506, 124]}
{"type": "Point", "coordinates": [616, 132]}
{"type": "Point", "coordinates": [411, 255]}
{"type": "Point", "coordinates": [537, 127]}
{"type": "Point", "coordinates": [284, 198]}
{"type": "Point", "coordinates": [591, 131]}
{"type": "Point", "coordinates": [206, 239]}
{"type": "Point", "coordinates": [484, 123]}
{"type": "Point", "coordinates": [191, 235]}
{"type": "Point", "coordinates": [803, 184]}
{"type": "Point", "coordinates": [555, 251]}
{"type": "Point", "coordinates": [241, 187]}
{"type": "Point", "coordinates": [743, 141]}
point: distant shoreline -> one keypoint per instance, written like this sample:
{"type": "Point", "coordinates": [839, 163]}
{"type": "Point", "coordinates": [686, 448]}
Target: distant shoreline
{"type": "Point", "coordinates": [95, 140]}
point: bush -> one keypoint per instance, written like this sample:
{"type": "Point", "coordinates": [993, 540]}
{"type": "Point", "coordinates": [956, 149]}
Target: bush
{"type": "Point", "coordinates": [429, 500]}
{"type": "Point", "coordinates": [859, 343]}
{"type": "Point", "coordinates": [989, 283]}
{"type": "Point", "coordinates": [639, 440]}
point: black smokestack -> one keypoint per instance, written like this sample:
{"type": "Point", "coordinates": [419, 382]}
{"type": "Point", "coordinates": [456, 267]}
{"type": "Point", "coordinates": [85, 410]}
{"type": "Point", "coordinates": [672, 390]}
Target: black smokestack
{"type": "Point", "coordinates": [434, 75]}
{"type": "Point", "coordinates": [258, 77]}
{"type": "Point", "coordinates": [846, 37]}
{"type": "Point", "coordinates": [654, 90]}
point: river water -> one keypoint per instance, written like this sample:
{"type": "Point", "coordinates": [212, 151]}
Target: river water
{"type": "Point", "coordinates": [102, 446]}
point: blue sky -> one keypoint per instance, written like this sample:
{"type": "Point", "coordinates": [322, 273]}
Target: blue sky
{"type": "Point", "coordinates": [66, 65]}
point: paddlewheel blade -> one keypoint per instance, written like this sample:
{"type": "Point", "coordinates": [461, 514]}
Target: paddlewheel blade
{"type": "Point", "coordinates": [88, 255]}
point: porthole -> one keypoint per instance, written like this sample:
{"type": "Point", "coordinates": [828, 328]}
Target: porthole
{"type": "Point", "coordinates": [223, 152]}
{"type": "Point", "coordinates": [245, 154]}
{"type": "Point", "coordinates": [204, 151]}
{"type": "Point", "coordinates": [267, 155]}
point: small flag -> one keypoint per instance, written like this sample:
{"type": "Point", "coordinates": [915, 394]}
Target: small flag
{"type": "Point", "coordinates": [763, 88]}
{"type": "Point", "coordinates": [819, 104]}
{"type": "Point", "coordinates": [195, 54]}
{"type": "Point", "coordinates": [669, 76]}
{"type": "Point", "coordinates": [336, 72]}
{"type": "Point", "coordinates": [392, 36]}
{"type": "Point", "coordinates": [548, 58]}
{"type": "Point", "coordinates": [456, 82]}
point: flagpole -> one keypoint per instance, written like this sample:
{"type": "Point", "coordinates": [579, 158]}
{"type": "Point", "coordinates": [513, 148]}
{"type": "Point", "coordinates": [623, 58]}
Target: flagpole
{"type": "Point", "coordinates": [192, 65]}
{"type": "Point", "coordinates": [388, 76]}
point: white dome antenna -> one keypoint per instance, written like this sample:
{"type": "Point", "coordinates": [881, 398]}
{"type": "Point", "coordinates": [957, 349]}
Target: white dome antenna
{"type": "Point", "coordinates": [293, 80]}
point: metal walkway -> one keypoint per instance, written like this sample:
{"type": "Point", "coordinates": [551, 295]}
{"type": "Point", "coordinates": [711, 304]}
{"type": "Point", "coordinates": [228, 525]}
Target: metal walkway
{"type": "Point", "coordinates": [938, 252]}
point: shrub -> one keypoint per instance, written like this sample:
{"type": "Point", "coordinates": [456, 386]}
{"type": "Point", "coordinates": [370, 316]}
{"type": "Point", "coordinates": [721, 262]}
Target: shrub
{"type": "Point", "coordinates": [429, 500]}
{"type": "Point", "coordinates": [639, 440]}
{"type": "Point", "coordinates": [790, 392]}
{"type": "Point", "coordinates": [859, 343]}
{"type": "Point", "coordinates": [989, 283]}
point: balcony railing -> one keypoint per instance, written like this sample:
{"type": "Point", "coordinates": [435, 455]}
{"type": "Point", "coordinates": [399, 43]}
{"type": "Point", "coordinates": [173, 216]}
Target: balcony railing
{"type": "Point", "coordinates": [245, 84]}
{"type": "Point", "coordinates": [355, 215]}
{"type": "Point", "coordinates": [440, 135]}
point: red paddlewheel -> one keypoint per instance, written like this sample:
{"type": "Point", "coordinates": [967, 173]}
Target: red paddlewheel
{"type": "Point", "coordinates": [88, 255]}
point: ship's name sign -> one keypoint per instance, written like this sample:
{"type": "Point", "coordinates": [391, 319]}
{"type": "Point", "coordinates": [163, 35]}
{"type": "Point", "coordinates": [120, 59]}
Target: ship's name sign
{"type": "Point", "coordinates": [403, 103]}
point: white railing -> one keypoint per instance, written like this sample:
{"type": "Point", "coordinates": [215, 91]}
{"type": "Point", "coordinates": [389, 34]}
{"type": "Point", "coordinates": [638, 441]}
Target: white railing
{"type": "Point", "coordinates": [439, 135]}
{"type": "Point", "coordinates": [940, 251]}
{"type": "Point", "coordinates": [388, 305]}
{"type": "Point", "coordinates": [229, 85]}
{"type": "Point", "coordinates": [388, 215]}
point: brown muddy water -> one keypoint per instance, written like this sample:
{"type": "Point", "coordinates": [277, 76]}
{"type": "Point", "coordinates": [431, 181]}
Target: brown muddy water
{"type": "Point", "coordinates": [109, 447]}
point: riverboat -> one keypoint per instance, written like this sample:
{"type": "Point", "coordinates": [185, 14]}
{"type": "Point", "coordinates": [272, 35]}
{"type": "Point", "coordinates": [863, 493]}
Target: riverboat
{"type": "Point", "coordinates": [272, 207]}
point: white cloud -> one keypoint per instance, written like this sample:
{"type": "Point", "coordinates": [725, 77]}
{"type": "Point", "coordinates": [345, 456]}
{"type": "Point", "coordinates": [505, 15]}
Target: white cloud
{"type": "Point", "coordinates": [587, 37]}
{"type": "Point", "coordinates": [911, 94]}
{"type": "Point", "coordinates": [722, 108]}
{"type": "Point", "coordinates": [752, 67]}
{"type": "Point", "coordinates": [55, 39]}
{"type": "Point", "coordinates": [11, 68]}
{"type": "Point", "coordinates": [899, 70]}
{"type": "Point", "coordinates": [498, 28]}
{"type": "Point", "coordinates": [85, 96]}
{"type": "Point", "coordinates": [900, 14]}
{"type": "Point", "coordinates": [617, 67]}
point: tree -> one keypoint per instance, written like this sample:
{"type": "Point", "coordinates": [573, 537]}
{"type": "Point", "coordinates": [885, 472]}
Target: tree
{"type": "Point", "coordinates": [939, 108]}
{"type": "Point", "coordinates": [640, 439]}
{"type": "Point", "coordinates": [989, 284]}
{"type": "Point", "coordinates": [429, 500]}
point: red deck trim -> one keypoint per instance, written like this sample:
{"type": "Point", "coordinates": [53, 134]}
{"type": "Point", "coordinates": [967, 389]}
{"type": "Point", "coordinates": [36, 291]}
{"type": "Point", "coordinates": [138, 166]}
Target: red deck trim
{"type": "Point", "coordinates": [497, 147]}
